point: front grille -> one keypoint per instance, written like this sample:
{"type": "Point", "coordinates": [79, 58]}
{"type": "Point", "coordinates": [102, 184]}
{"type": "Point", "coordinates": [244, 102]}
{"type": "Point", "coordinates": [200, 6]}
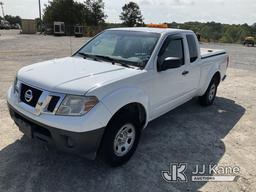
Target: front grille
{"type": "Point", "coordinates": [53, 103]}
{"type": "Point", "coordinates": [35, 95]}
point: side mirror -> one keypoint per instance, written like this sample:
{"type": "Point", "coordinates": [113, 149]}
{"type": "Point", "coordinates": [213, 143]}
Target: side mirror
{"type": "Point", "coordinates": [169, 63]}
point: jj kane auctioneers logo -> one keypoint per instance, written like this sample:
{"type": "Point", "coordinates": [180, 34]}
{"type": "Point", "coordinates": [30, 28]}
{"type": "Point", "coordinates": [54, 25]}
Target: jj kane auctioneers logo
{"type": "Point", "coordinates": [214, 173]}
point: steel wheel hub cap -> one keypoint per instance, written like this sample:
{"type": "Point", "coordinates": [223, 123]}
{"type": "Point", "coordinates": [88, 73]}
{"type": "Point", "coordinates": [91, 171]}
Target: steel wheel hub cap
{"type": "Point", "coordinates": [212, 92]}
{"type": "Point", "coordinates": [124, 140]}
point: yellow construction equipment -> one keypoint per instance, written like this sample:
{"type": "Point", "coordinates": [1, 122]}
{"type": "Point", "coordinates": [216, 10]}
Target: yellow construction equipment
{"type": "Point", "coordinates": [249, 41]}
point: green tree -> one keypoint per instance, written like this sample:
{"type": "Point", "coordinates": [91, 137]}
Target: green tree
{"type": "Point", "coordinates": [68, 11]}
{"type": "Point", "coordinates": [91, 12]}
{"type": "Point", "coordinates": [234, 34]}
{"type": "Point", "coordinates": [94, 14]}
{"type": "Point", "coordinates": [13, 19]}
{"type": "Point", "coordinates": [212, 31]}
{"type": "Point", "coordinates": [218, 32]}
{"type": "Point", "coordinates": [253, 29]}
{"type": "Point", "coordinates": [131, 15]}
{"type": "Point", "coordinates": [194, 26]}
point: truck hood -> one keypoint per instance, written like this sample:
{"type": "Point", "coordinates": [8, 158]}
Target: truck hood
{"type": "Point", "coordinates": [72, 75]}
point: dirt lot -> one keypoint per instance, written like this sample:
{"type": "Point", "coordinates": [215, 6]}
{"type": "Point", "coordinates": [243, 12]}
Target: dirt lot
{"type": "Point", "coordinates": [223, 134]}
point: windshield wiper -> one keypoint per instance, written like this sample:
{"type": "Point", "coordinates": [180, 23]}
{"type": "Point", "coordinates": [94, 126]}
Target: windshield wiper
{"type": "Point", "coordinates": [115, 61]}
{"type": "Point", "coordinates": [98, 57]}
{"type": "Point", "coordinates": [125, 65]}
{"type": "Point", "coordinates": [107, 58]}
{"type": "Point", "coordinates": [88, 56]}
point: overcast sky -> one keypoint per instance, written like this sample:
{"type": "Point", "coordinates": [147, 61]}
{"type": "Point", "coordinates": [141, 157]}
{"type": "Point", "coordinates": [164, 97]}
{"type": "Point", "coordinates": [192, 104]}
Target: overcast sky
{"type": "Point", "coordinates": [158, 11]}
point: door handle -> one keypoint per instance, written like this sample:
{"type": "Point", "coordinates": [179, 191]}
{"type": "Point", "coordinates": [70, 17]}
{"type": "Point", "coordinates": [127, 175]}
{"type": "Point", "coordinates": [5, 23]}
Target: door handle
{"type": "Point", "coordinates": [185, 72]}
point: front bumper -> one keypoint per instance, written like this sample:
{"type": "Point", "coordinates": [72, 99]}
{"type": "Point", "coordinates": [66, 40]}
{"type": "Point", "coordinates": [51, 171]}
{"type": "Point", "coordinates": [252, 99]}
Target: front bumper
{"type": "Point", "coordinates": [82, 143]}
{"type": "Point", "coordinates": [98, 116]}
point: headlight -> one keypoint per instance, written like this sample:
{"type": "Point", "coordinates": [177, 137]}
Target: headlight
{"type": "Point", "coordinates": [15, 85]}
{"type": "Point", "coordinates": [76, 105]}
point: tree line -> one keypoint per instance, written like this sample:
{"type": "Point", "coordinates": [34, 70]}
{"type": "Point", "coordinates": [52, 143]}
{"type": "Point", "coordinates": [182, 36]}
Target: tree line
{"type": "Point", "coordinates": [91, 13]}
{"type": "Point", "coordinates": [217, 32]}
{"type": "Point", "coordinates": [12, 19]}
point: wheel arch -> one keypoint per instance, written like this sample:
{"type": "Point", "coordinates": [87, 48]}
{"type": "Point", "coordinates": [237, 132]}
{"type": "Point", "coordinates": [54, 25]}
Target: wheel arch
{"type": "Point", "coordinates": [213, 74]}
{"type": "Point", "coordinates": [217, 75]}
{"type": "Point", "coordinates": [134, 108]}
{"type": "Point", "coordinates": [124, 98]}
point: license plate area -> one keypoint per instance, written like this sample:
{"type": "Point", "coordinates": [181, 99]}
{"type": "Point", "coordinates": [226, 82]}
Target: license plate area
{"type": "Point", "coordinates": [25, 128]}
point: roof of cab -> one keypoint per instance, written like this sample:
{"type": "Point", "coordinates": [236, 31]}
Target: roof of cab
{"type": "Point", "coordinates": [151, 29]}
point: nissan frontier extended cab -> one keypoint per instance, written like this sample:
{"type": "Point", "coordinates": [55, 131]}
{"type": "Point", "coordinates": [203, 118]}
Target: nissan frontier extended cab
{"type": "Point", "coordinates": [97, 102]}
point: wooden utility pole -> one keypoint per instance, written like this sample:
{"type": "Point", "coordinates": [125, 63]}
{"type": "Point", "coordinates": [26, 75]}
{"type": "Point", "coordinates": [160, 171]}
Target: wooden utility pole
{"type": "Point", "coordinates": [1, 3]}
{"type": "Point", "coordinates": [40, 14]}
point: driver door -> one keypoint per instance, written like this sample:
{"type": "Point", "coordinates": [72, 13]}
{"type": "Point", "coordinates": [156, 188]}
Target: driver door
{"type": "Point", "coordinates": [170, 83]}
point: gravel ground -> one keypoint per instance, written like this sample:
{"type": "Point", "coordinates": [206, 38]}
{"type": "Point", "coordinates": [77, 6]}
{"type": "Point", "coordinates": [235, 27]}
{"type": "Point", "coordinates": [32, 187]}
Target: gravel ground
{"type": "Point", "coordinates": [222, 134]}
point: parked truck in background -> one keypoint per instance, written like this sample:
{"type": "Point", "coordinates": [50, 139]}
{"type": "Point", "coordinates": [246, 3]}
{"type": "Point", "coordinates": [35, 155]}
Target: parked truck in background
{"type": "Point", "coordinates": [97, 102]}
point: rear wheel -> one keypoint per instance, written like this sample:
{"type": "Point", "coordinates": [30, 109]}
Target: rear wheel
{"type": "Point", "coordinates": [210, 94]}
{"type": "Point", "coordinates": [120, 140]}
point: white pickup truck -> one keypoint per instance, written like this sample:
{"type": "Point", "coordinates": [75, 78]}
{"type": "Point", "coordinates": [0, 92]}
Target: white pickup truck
{"type": "Point", "coordinates": [96, 102]}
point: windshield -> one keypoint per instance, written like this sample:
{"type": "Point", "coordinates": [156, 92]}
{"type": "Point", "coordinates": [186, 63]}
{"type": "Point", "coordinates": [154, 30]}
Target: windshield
{"type": "Point", "coordinates": [130, 47]}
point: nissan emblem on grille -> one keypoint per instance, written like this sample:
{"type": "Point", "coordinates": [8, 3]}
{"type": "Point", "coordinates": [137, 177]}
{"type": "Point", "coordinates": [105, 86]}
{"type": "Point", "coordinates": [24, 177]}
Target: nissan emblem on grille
{"type": "Point", "coordinates": [28, 95]}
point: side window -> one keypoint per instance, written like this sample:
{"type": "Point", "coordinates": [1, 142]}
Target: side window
{"type": "Point", "coordinates": [172, 48]}
{"type": "Point", "coordinates": [192, 48]}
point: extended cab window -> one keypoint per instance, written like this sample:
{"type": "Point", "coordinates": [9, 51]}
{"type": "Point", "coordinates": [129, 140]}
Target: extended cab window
{"type": "Point", "coordinates": [192, 48]}
{"type": "Point", "coordinates": [172, 48]}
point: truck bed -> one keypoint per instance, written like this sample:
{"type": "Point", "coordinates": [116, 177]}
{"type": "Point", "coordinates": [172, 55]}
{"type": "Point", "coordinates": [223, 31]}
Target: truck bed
{"type": "Point", "coordinates": [207, 53]}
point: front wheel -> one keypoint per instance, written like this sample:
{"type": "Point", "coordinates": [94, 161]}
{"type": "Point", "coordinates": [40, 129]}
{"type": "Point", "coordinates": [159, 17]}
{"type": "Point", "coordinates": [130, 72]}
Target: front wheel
{"type": "Point", "coordinates": [208, 98]}
{"type": "Point", "coordinates": [120, 140]}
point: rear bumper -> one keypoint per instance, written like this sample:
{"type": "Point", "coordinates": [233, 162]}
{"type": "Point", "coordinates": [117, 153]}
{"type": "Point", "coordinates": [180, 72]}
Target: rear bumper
{"type": "Point", "coordinates": [82, 143]}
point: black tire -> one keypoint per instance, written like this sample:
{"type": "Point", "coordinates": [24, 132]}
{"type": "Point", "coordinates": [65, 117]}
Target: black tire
{"type": "Point", "coordinates": [106, 151]}
{"type": "Point", "coordinates": [208, 98]}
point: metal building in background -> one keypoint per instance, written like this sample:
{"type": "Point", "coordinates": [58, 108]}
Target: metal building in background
{"type": "Point", "coordinates": [28, 26]}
